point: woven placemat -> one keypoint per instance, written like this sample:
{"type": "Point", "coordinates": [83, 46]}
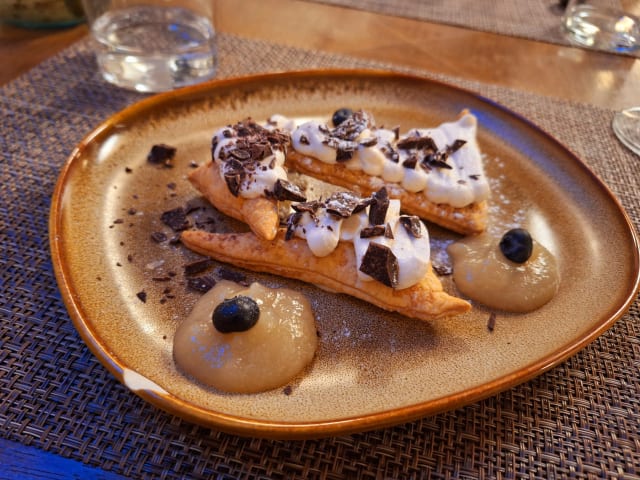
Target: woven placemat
{"type": "Point", "coordinates": [539, 20]}
{"type": "Point", "coordinates": [581, 419]}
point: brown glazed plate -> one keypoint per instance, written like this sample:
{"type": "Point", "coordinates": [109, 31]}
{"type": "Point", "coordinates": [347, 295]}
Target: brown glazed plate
{"type": "Point", "coordinates": [373, 369]}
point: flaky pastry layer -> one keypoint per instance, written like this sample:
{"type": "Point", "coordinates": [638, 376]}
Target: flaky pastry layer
{"type": "Point", "coordinates": [336, 272]}
{"type": "Point", "coordinates": [467, 220]}
{"type": "Point", "coordinates": [260, 214]}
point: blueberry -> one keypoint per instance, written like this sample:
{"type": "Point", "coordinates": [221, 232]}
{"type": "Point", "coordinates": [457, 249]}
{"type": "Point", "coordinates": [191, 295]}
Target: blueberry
{"type": "Point", "coordinates": [341, 115]}
{"type": "Point", "coordinates": [237, 314]}
{"type": "Point", "coordinates": [517, 245]}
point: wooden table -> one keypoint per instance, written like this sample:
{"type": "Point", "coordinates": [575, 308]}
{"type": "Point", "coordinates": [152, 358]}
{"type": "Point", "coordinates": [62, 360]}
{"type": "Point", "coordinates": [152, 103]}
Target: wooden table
{"type": "Point", "coordinates": [606, 80]}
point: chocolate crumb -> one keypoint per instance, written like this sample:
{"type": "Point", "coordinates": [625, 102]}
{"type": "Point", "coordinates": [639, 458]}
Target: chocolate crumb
{"type": "Point", "coordinates": [127, 170]}
{"type": "Point", "coordinates": [161, 154]}
{"type": "Point", "coordinates": [380, 263]}
{"type": "Point", "coordinates": [142, 295]}
{"type": "Point", "coordinates": [201, 284]}
{"type": "Point", "coordinates": [132, 211]}
{"type": "Point", "coordinates": [130, 258]}
{"type": "Point", "coordinates": [233, 276]}
{"type": "Point", "coordinates": [491, 323]}
{"type": "Point", "coordinates": [171, 186]}
{"type": "Point", "coordinates": [441, 269]}
{"type": "Point", "coordinates": [288, 390]}
{"type": "Point", "coordinates": [175, 219]}
{"type": "Point", "coordinates": [164, 278]}
{"type": "Point", "coordinates": [198, 266]}
{"type": "Point", "coordinates": [158, 237]}
{"type": "Point", "coordinates": [118, 221]}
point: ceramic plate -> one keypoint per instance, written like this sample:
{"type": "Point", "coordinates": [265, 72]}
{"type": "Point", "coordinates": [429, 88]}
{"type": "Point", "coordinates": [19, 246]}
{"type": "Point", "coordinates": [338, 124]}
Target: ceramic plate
{"type": "Point", "coordinates": [372, 369]}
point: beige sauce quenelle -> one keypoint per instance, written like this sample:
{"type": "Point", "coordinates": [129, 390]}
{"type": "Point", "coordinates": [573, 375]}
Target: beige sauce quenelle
{"type": "Point", "coordinates": [483, 273]}
{"type": "Point", "coordinates": [272, 352]}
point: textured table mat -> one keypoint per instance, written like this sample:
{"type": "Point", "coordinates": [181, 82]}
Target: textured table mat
{"type": "Point", "coordinates": [532, 19]}
{"type": "Point", "coordinates": [580, 419]}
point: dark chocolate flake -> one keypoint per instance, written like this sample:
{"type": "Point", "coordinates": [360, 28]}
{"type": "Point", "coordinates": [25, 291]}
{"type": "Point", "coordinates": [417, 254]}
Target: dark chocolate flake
{"type": "Point", "coordinates": [375, 231]}
{"type": "Point", "coordinates": [176, 219]}
{"type": "Point", "coordinates": [456, 145]}
{"type": "Point", "coordinates": [343, 155]}
{"type": "Point", "coordinates": [232, 276]}
{"type": "Point", "coordinates": [142, 295]}
{"type": "Point", "coordinates": [161, 154]}
{"type": "Point", "coordinates": [412, 224]}
{"type": "Point", "coordinates": [491, 323]}
{"type": "Point", "coordinates": [285, 190]}
{"type": "Point", "coordinates": [342, 204]}
{"type": "Point", "coordinates": [201, 284]}
{"type": "Point", "coordinates": [379, 206]}
{"type": "Point", "coordinates": [410, 162]}
{"type": "Point", "coordinates": [158, 237]}
{"type": "Point", "coordinates": [197, 266]}
{"type": "Point", "coordinates": [380, 263]}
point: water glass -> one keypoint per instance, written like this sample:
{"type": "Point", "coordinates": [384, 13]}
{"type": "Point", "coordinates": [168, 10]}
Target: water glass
{"type": "Point", "coordinates": [610, 25]}
{"type": "Point", "coordinates": [153, 45]}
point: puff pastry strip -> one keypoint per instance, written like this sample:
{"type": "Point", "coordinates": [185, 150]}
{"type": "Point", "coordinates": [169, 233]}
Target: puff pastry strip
{"type": "Point", "coordinates": [260, 214]}
{"type": "Point", "coordinates": [467, 220]}
{"type": "Point", "coordinates": [336, 272]}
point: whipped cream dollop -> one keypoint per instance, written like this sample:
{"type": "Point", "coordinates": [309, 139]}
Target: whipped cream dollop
{"type": "Point", "coordinates": [444, 163]}
{"type": "Point", "coordinates": [391, 248]}
{"type": "Point", "coordinates": [251, 157]}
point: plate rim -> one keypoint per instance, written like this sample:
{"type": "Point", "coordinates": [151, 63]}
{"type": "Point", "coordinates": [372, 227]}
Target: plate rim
{"type": "Point", "coordinates": [253, 427]}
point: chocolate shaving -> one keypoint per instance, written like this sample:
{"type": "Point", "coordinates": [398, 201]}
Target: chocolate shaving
{"type": "Point", "coordinates": [474, 177]}
{"type": "Point", "coordinates": [379, 206]}
{"type": "Point", "coordinates": [456, 145]}
{"type": "Point", "coordinates": [410, 162]}
{"type": "Point", "coordinates": [369, 142]}
{"type": "Point", "coordinates": [233, 181]}
{"type": "Point", "coordinates": [388, 231]}
{"type": "Point", "coordinates": [417, 142]}
{"type": "Point", "coordinates": [412, 224]}
{"type": "Point", "coordinates": [343, 155]}
{"type": "Point", "coordinates": [176, 219]}
{"type": "Point", "coordinates": [292, 222]}
{"type": "Point", "coordinates": [142, 295]}
{"type": "Point", "coordinates": [161, 154]}
{"type": "Point", "coordinates": [380, 263]}
{"type": "Point", "coordinates": [310, 207]}
{"type": "Point", "coordinates": [284, 190]}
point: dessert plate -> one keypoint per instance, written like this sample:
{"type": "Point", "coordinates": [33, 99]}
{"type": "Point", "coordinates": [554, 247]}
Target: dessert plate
{"type": "Point", "coordinates": [127, 290]}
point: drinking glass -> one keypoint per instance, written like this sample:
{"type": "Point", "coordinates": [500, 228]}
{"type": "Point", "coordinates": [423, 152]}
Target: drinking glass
{"type": "Point", "coordinates": [153, 45]}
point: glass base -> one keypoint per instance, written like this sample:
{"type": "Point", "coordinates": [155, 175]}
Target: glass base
{"type": "Point", "coordinates": [626, 126]}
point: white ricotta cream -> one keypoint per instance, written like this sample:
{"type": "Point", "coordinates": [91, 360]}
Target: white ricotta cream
{"type": "Point", "coordinates": [258, 175]}
{"type": "Point", "coordinates": [323, 230]}
{"type": "Point", "coordinates": [447, 168]}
